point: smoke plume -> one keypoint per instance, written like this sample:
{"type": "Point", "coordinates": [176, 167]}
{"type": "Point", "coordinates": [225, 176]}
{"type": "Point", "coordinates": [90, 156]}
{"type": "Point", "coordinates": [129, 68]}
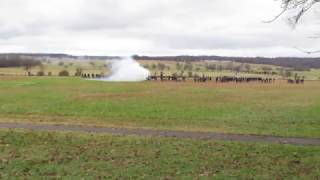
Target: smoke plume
{"type": "Point", "coordinates": [127, 69]}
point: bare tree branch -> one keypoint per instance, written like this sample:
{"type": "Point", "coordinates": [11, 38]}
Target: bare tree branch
{"type": "Point", "coordinates": [276, 17]}
{"type": "Point", "coordinates": [297, 7]}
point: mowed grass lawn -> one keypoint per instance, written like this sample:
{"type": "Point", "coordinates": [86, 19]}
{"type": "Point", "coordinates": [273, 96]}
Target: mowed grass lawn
{"type": "Point", "coordinates": [264, 109]}
{"type": "Point", "coordinates": [35, 155]}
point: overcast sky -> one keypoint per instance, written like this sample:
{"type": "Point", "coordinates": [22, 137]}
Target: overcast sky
{"type": "Point", "coordinates": [153, 27]}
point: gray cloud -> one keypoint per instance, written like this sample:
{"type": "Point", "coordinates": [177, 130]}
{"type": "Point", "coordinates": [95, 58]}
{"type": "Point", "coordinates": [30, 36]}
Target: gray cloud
{"type": "Point", "coordinates": [164, 27]}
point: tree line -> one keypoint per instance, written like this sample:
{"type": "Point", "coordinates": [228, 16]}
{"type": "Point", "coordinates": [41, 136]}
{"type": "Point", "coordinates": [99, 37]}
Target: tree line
{"type": "Point", "coordinates": [14, 60]}
{"type": "Point", "coordinates": [297, 63]}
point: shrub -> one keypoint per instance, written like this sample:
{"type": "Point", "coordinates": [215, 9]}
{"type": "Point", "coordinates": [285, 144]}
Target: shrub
{"type": "Point", "coordinates": [211, 67]}
{"type": "Point", "coordinates": [64, 73]}
{"type": "Point", "coordinates": [40, 73]}
{"type": "Point", "coordinates": [78, 72]}
{"type": "Point", "coordinates": [288, 73]}
{"type": "Point", "coordinates": [161, 66]}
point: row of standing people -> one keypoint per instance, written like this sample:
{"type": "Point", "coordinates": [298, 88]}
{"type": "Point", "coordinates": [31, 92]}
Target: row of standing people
{"type": "Point", "coordinates": [225, 79]}
{"type": "Point", "coordinates": [296, 80]}
{"type": "Point", "coordinates": [204, 78]}
{"type": "Point", "coordinates": [89, 75]}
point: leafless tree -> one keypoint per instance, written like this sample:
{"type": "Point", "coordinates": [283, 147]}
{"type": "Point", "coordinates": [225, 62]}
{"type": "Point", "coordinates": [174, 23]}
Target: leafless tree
{"type": "Point", "coordinates": [295, 8]}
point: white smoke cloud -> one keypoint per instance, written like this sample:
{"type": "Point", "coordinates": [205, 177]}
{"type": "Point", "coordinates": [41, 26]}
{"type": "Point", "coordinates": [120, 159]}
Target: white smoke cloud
{"type": "Point", "coordinates": [127, 69]}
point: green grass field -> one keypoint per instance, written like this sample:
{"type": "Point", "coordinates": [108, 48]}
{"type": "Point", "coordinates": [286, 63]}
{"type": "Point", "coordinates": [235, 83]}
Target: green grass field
{"type": "Point", "coordinates": [263, 109]}
{"type": "Point", "coordinates": [32, 155]}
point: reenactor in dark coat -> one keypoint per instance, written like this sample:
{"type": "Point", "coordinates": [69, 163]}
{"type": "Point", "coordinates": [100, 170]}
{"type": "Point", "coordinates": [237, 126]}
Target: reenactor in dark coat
{"type": "Point", "coordinates": [161, 76]}
{"type": "Point", "coordinates": [302, 80]}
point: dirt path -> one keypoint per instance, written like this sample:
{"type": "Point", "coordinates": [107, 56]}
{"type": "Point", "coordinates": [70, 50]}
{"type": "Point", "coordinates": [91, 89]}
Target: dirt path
{"type": "Point", "coordinates": [163, 133]}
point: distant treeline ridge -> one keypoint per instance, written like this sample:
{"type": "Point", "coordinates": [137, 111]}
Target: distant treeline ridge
{"type": "Point", "coordinates": [291, 62]}
{"type": "Point", "coordinates": [298, 63]}
{"type": "Point", "coordinates": [18, 61]}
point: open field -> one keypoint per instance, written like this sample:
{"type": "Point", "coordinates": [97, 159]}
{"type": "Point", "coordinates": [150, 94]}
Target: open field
{"type": "Point", "coordinates": [28, 154]}
{"type": "Point", "coordinates": [224, 109]}
{"type": "Point", "coordinates": [262, 109]}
